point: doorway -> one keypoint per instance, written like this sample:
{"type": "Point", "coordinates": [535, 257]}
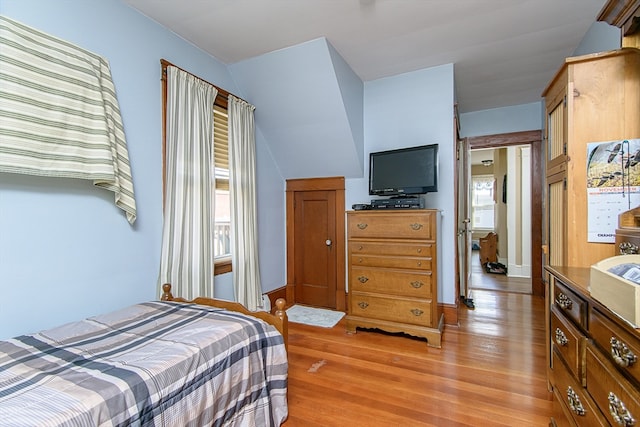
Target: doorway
{"type": "Point", "coordinates": [533, 140]}
{"type": "Point", "coordinates": [315, 242]}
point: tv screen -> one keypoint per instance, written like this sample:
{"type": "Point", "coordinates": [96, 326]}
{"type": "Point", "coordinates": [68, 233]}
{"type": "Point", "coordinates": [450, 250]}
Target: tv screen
{"type": "Point", "coordinates": [405, 171]}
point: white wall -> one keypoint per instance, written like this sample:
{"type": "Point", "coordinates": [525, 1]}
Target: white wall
{"type": "Point", "coordinates": [407, 110]}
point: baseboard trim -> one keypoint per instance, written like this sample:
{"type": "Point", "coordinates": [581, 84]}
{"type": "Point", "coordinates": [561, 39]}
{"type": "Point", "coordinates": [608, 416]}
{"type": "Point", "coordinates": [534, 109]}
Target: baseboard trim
{"type": "Point", "coordinates": [450, 311]}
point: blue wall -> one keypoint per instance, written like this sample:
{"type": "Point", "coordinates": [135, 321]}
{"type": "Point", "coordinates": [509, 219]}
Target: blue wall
{"type": "Point", "coordinates": [502, 120]}
{"type": "Point", "coordinates": [66, 251]}
{"type": "Point", "coordinates": [415, 109]}
{"type": "Point", "coordinates": [599, 38]}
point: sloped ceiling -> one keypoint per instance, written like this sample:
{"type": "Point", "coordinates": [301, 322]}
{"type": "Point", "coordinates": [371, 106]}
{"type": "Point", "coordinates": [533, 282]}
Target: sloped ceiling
{"type": "Point", "coordinates": [284, 57]}
{"type": "Point", "coordinates": [505, 51]}
{"type": "Point", "coordinates": [309, 109]}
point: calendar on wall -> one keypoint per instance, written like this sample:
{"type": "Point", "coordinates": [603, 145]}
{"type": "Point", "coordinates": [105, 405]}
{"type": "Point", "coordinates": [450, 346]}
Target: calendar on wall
{"type": "Point", "coordinates": [613, 185]}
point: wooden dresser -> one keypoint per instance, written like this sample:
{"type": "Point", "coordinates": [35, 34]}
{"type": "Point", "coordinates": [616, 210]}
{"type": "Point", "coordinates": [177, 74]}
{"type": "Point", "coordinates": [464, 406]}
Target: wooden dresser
{"type": "Point", "coordinates": [393, 272]}
{"type": "Point", "coordinates": [593, 366]}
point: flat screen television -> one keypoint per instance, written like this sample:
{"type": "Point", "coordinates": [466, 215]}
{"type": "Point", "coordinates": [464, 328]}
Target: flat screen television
{"type": "Point", "coordinates": [404, 172]}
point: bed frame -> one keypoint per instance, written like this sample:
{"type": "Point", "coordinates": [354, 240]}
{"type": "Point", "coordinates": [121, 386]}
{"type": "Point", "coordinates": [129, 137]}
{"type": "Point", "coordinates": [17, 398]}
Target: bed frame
{"type": "Point", "coordinates": [277, 319]}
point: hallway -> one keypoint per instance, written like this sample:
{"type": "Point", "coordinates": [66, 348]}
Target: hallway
{"type": "Point", "coordinates": [480, 279]}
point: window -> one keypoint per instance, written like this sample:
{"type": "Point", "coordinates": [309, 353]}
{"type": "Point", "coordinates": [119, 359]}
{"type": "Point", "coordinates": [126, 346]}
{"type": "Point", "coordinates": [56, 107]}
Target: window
{"type": "Point", "coordinates": [221, 237]}
{"type": "Point", "coordinates": [482, 202]}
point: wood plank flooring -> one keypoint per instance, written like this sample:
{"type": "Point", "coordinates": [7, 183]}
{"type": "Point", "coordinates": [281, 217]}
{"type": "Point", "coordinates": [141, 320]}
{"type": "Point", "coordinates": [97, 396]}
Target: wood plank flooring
{"type": "Point", "coordinates": [480, 279]}
{"type": "Point", "coordinates": [490, 371]}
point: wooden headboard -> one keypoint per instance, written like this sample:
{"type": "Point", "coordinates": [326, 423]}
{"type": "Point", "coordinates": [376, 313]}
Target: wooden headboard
{"type": "Point", "coordinates": [277, 319]}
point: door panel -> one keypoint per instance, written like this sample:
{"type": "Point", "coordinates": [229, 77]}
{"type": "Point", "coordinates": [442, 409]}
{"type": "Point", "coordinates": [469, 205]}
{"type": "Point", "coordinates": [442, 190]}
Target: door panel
{"type": "Point", "coordinates": [464, 221]}
{"type": "Point", "coordinates": [315, 254]}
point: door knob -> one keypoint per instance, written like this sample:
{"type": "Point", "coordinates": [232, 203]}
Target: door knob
{"type": "Point", "coordinates": [327, 242]}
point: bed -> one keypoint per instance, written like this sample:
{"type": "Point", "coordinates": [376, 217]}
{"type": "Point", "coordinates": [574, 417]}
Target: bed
{"type": "Point", "coordinates": [160, 363]}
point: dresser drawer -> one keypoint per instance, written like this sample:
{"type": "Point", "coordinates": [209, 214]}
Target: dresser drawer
{"type": "Point", "coordinates": [394, 225]}
{"type": "Point", "coordinates": [621, 347]}
{"type": "Point", "coordinates": [569, 342]}
{"type": "Point", "coordinates": [417, 263]}
{"type": "Point", "coordinates": [393, 309]}
{"type": "Point", "coordinates": [618, 400]}
{"type": "Point", "coordinates": [392, 248]}
{"type": "Point", "coordinates": [570, 304]}
{"type": "Point", "coordinates": [413, 284]}
{"type": "Point", "coordinates": [573, 397]}
{"type": "Point", "coordinates": [560, 414]}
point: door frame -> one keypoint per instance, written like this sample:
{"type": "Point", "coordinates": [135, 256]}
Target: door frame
{"type": "Point", "coordinates": [335, 184]}
{"type": "Point", "coordinates": [532, 138]}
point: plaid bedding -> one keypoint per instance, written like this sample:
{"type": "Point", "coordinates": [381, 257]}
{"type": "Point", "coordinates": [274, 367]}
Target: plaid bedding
{"type": "Point", "coordinates": [151, 364]}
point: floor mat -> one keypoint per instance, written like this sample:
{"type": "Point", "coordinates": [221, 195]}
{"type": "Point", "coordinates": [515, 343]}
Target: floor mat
{"type": "Point", "coordinates": [314, 316]}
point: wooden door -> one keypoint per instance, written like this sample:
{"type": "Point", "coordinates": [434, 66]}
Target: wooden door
{"type": "Point", "coordinates": [534, 139]}
{"type": "Point", "coordinates": [316, 243]}
{"type": "Point", "coordinates": [464, 221]}
{"type": "Point", "coordinates": [315, 257]}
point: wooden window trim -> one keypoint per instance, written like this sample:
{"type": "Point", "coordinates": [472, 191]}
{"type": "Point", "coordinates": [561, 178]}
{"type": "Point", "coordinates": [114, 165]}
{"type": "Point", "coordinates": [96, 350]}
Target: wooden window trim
{"type": "Point", "coordinates": [222, 265]}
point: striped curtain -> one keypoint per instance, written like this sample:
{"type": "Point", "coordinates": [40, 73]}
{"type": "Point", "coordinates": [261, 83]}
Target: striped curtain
{"type": "Point", "coordinates": [59, 114]}
{"type": "Point", "coordinates": [187, 236]}
{"type": "Point", "coordinates": [244, 207]}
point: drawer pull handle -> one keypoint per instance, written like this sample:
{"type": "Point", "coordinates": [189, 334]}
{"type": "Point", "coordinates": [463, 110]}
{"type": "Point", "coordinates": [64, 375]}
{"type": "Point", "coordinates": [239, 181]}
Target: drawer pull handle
{"type": "Point", "coordinates": [619, 412]}
{"type": "Point", "coordinates": [360, 247]}
{"type": "Point", "coordinates": [621, 353]}
{"type": "Point", "coordinates": [362, 226]}
{"type": "Point", "coordinates": [416, 226]}
{"type": "Point", "coordinates": [628, 248]}
{"type": "Point", "coordinates": [419, 263]}
{"type": "Point", "coordinates": [417, 284]}
{"type": "Point", "coordinates": [363, 279]}
{"type": "Point", "coordinates": [574, 402]}
{"type": "Point", "coordinates": [419, 250]}
{"type": "Point", "coordinates": [561, 338]}
{"type": "Point", "coordinates": [417, 312]}
{"type": "Point", "coordinates": [564, 301]}
{"type": "Point", "coordinates": [363, 304]}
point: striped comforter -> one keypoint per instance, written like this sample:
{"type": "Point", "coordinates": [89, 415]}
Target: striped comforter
{"type": "Point", "coordinates": [59, 114]}
{"type": "Point", "coordinates": [152, 364]}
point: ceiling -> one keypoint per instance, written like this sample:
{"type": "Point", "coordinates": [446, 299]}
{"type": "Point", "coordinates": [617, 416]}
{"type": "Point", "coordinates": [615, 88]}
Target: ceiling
{"type": "Point", "coordinates": [504, 51]}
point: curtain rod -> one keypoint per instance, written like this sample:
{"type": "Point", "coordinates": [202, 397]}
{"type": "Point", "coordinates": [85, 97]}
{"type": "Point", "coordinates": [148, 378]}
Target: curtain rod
{"type": "Point", "coordinates": [221, 97]}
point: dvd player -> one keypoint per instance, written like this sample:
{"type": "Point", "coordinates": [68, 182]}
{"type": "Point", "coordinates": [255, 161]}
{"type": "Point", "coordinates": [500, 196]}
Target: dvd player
{"type": "Point", "coordinates": [399, 203]}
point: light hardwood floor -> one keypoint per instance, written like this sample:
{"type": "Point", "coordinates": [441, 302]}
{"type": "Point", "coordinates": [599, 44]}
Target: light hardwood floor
{"type": "Point", "coordinates": [480, 279]}
{"type": "Point", "coordinates": [490, 371]}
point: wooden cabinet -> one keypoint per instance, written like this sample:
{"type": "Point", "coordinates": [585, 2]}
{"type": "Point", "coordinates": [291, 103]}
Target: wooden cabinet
{"type": "Point", "coordinates": [592, 98]}
{"type": "Point", "coordinates": [393, 272]}
{"type": "Point", "coordinates": [489, 248]}
{"type": "Point", "coordinates": [593, 355]}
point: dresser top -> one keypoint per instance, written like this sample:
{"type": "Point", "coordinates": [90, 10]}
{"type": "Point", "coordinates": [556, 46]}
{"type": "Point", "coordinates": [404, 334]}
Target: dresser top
{"type": "Point", "coordinates": [578, 277]}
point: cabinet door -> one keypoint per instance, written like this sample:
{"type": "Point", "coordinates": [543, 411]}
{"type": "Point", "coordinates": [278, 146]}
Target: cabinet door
{"type": "Point", "coordinates": [556, 129]}
{"type": "Point", "coordinates": [555, 219]}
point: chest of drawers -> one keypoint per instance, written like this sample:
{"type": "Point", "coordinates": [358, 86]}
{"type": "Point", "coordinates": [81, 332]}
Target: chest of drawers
{"type": "Point", "coordinates": [593, 366]}
{"type": "Point", "coordinates": [393, 272]}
